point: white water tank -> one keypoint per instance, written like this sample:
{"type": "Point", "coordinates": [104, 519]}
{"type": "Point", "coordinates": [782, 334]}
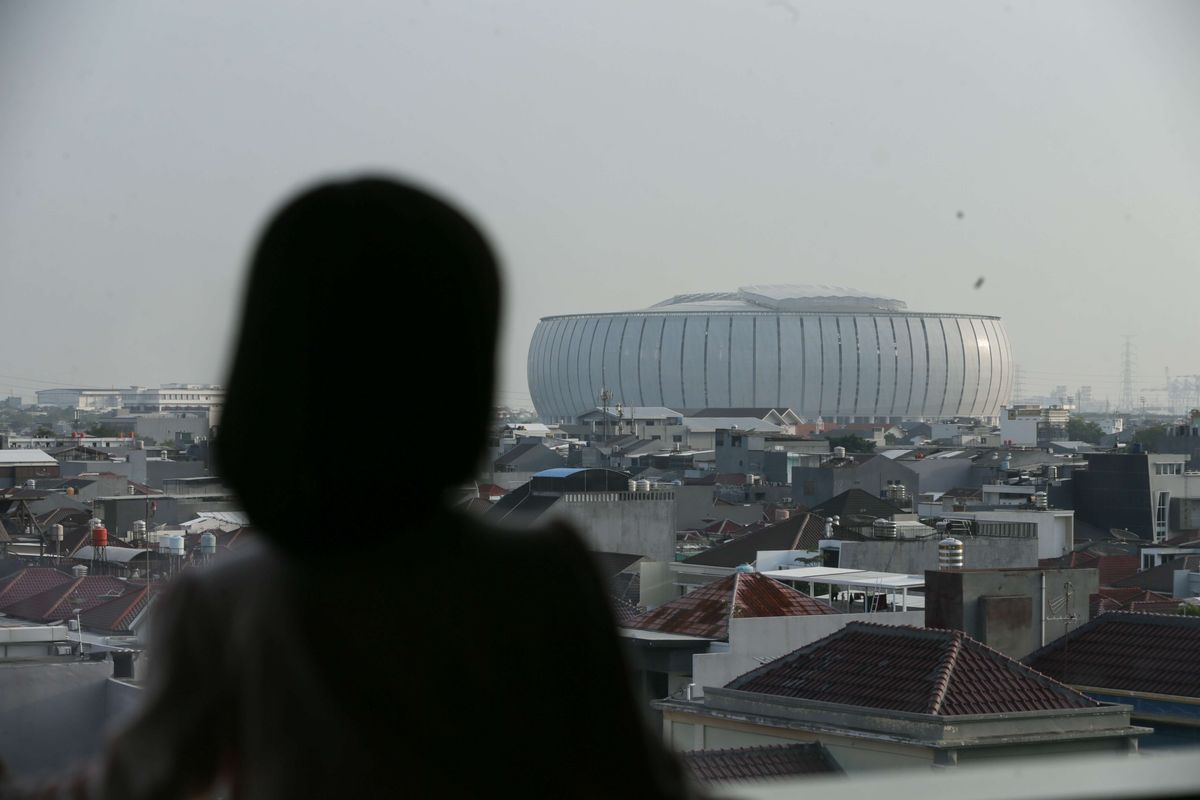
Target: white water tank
{"type": "Point", "coordinates": [171, 544]}
{"type": "Point", "coordinates": [208, 544]}
{"type": "Point", "coordinates": [643, 486]}
{"type": "Point", "coordinates": [56, 533]}
{"type": "Point", "coordinates": [884, 529]}
{"type": "Point", "coordinates": [839, 452]}
{"type": "Point", "coordinates": [79, 571]}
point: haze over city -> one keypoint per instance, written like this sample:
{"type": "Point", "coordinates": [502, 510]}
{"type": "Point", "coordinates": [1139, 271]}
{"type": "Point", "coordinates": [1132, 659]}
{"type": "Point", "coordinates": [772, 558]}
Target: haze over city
{"type": "Point", "coordinates": [618, 155]}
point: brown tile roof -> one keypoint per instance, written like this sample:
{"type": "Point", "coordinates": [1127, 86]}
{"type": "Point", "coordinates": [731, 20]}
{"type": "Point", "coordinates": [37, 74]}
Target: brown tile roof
{"type": "Point", "coordinates": [1162, 577]}
{"type": "Point", "coordinates": [1137, 652]}
{"type": "Point", "coordinates": [903, 668]}
{"type": "Point", "coordinates": [706, 611]}
{"type": "Point", "coordinates": [60, 601]}
{"type": "Point", "coordinates": [29, 582]}
{"type": "Point", "coordinates": [1112, 568]}
{"type": "Point", "coordinates": [625, 611]}
{"type": "Point", "coordinates": [1131, 598]}
{"type": "Point", "coordinates": [760, 763]}
{"type": "Point", "coordinates": [115, 615]}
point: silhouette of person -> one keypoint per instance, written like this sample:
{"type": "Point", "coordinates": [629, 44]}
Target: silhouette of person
{"type": "Point", "coordinates": [379, 643]}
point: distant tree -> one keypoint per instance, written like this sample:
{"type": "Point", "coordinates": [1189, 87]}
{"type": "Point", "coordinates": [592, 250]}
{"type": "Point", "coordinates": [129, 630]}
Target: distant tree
{"type": "Point", "coordinates": [853, 444]}
{"type": "Point", "coordinates": [1189, 610]}
{"type": "Point", "coordinates": [101, 430]}
{"type": "Point", "coordinates": [43, 433]}
{"type": "Point", "coordinates": [889, 438]}
{"type": "Point", "coordinates": [1082, 430]}
{"type": "Point", "coordinates": [1151, 437]}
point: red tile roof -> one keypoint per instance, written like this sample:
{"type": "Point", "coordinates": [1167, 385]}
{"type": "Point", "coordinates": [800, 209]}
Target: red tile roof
{"type": "Point", "coordinates": [903, 668]}
{"type": "Point", "coordinates": [1136, 652]}
{"type": "Point", "coordinates": [1111, 568]}
{"type": "Point", "coordinates": [760, 763]}
{"type": "Point", "coordinates": [706, 611]}
{"type": "Point", "coordinates": [1131, 598]}
{"type": "Point", "coordinates": [60, 601]}
{"type": "Point", "coordinates": [29, 582]}
{"type": "Point", "coordinates": [115, 615]}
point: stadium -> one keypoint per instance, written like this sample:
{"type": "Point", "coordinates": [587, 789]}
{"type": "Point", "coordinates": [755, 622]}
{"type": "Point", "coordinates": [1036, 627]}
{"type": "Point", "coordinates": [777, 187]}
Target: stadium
{"type": "Point", "coordinates": [822, 351]}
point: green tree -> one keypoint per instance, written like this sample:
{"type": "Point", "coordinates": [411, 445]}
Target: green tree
{"type": "Point", "coordinates": [101, 430]}
{"type": "Point", "coordinates": [1083, 430]}
{"type": "Point", "coordinates": [1150, 437]}
{"type": "Point", "coordinates": [853, 444]}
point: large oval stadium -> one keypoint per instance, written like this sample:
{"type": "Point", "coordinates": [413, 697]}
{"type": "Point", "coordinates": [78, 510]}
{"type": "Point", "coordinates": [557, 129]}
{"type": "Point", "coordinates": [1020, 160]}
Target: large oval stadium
{"type": "Point", "coordinates": [822, 351]}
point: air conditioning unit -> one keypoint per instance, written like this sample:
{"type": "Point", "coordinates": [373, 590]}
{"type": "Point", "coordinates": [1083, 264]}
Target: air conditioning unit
{"type": "Point", "coordinates": [73, 624]}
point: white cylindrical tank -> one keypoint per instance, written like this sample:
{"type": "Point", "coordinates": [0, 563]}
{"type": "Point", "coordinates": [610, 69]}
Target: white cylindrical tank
{"type": "Point", "coordinates": [171, 544]}
{"type": "Point", "coordinates": [643, 486]}
{"type": "Point", "coordinates": [950, 553]}
{"type": "Point", "coordinates": [632, 485]}
{"type": "Point", "coordinates": [1039, 500]}
{"type": "Point", "coordinates": [208, 544]}
{"type": "Point", "coordinates": [839, 452]}
{"type": "Point", "coordinates": [884, 529]}
{"type": "Point", "coordinates": [56, 533]}
{"type": "Point", "coordinates": [80, 571]}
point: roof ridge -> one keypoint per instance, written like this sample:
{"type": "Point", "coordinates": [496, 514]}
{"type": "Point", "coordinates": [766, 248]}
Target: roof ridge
{"type": "Point", "coordinates": [941, 684]}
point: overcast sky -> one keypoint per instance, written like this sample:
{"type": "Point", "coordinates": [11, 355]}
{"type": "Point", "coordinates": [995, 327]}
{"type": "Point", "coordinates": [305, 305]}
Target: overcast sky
{"type": "Point", "coordinates": [618, 153]}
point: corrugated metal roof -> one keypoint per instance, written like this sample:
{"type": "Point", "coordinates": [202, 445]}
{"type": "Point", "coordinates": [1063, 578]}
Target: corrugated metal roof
{"type": "Point", "coordinates": [10, 457]}
{"type": "Point", "coordinates": [904, 668]}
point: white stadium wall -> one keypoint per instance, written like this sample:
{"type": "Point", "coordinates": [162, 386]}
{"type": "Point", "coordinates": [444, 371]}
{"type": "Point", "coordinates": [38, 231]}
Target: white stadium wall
{"type": "Point", "coordinates": [821, 351]}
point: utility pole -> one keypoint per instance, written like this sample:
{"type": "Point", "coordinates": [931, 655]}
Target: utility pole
{"type": "Point", "coordinates": [605, 399]}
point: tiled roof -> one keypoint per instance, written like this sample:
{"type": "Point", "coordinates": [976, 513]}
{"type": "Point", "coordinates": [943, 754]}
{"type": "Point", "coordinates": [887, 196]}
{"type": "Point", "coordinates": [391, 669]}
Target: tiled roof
{"type": "Point", "coordinates": [801, 531]}
{"type": "Point", "coordinates": [1137, 652]}
{"type": "Point", "coordinates": [706, 611]}
{"type": "Point", "coordinates": [625, 611]}
{"type": "Point", "coordinates": [760, 763]}
{"type": "Point", "coordinates": [1162, 577]}
{"type": "Point", "coordinates": [60, 601]}
{"type": "Point", "coordinates": [903, 668]}
{"type": "Point", "coordinates": [1131, 598]}
{"type": "Point", "coordinates": [115, 615]}
{"type": "Point", "coordinates": [856, 502]}
{"type": "Point", "coordinates": [724, 527]}
{"type": "Point", "coordinates": [29, 582]}
{"type": "Point", "coordinates": [1112, 568]}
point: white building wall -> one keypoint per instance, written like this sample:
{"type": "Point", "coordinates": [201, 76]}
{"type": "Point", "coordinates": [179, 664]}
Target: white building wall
{"type": "Point", "coordinates": [818, 364]}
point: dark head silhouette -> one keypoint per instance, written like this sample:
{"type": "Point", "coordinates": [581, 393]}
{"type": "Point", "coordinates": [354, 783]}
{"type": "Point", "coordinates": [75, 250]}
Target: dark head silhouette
{"type": "Point", "coordinates": [370, 303]}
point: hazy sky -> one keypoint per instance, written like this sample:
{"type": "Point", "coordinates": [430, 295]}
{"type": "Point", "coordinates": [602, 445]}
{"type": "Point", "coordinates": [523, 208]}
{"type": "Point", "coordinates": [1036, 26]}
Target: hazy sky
{"type": "Point", "coordinates": [618, 153]}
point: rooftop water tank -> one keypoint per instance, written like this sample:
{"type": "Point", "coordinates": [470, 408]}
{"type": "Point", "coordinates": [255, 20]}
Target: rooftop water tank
{"type": "Point", "coordinates": [950, 553]}
{"type": "Point", "coordinates": [100, 536]}
{"type": "Point", "coordinates": [839, 452]}
{"type": "Point", "coordinates": [55, 532]}
{"type": "Point", "coordinates": [79, 571]}
{"type": "Point", "coordinates": [884, 529]}
{"type": "Point", "coordinates": [208, 544]}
